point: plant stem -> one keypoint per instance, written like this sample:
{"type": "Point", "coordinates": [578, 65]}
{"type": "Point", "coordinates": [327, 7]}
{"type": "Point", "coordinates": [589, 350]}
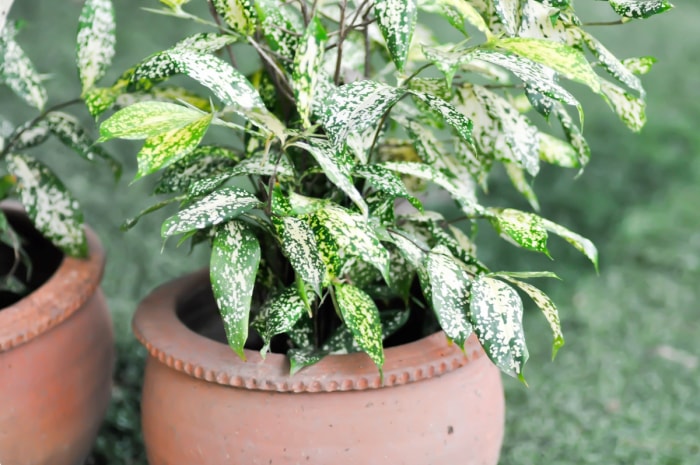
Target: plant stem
{"type": "Point", "coordinates": [216, 17]}
{"type": "Point", "coordinates": [341, 38]}
{"type": "Point", "coordinates": [605, 23]}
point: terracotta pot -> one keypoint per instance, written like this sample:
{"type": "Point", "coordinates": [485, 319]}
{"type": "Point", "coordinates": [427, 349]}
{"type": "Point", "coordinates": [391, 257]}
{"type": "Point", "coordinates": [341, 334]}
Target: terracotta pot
{"type": "Point", "coordinates": [203, 405]}
{"type": "Point", "coordinates": [56, 357]}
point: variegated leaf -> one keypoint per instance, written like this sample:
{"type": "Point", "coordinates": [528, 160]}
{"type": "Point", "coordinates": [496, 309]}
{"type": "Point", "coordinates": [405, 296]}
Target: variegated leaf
{"type": "Point", "coordinates": [557, 152]}
{"type": "Point", "coordinates": [579, 242]}
{"type": "Point", "coordinates": [630, 109]}
{"type": "Point", "coordinates": [541, 21]}
{"type": "Point", "coordinates": [562, 58]}
{"type": "Point", "coordinates": [555, 3]}
{"type": "Point", "coordinates": [299, 245]}
{"type": "Point", "coordinates": [640, 66]}
{"type": "Point", "coordinates": [239, 15]}
{"type": "Point", "coordinates": [54, 212]}
{"type": "Point", "coordinates": [618, 70]}
{"type": "Point", "coordinates": [5, 6]}
{"type": "Point", "coordinates": [96, 41]}
{"type": "Point", "coordinates": [307, 63]}
{"type": "Point", "coordinates": [521, 184]}
{"type": "Point", "coordinates": [201, 163]}
{"type": "Point", "coordinates": [166, 148]}
{"type": "Point", "coordinates": [361, 316]}
{"type": "Point", "coordinates": [68, 130]}
{"type": "Point", "coordinates": [640, 8]}
{"type": "Point", "coordinates": [304, 357]}
{"type": "Point", "coordinates": [303, 205]}
{"type": "Point", "coordinates": [445, 110]}
{"type": "Point", "coordinates": [496, 313]}
{"type": "Point", "coordinates": [18, 72]}
{"type": "Point", "coordinates": [278, 315]}
{"type": "Point", "coordinates": [146, 119]}
{"type": "Point", "coordinates": [450, 286]}
{"type": "Point", "coordinates": [276, 20]}
{"type": "Point", "coordinates": [100, 99]}
{"type": "Point", "coordinates": [235, 257]}
{"type": "Point", "coordinates": [457, 12]}
{"type": "Point", "coordinates": [204, 42]}
{"type": "Point", "coordinates": [509, 13]}
{"type": "Point", "coordinates": [216, 208]}
{"type": "Point", "coordinates": [29, 134]}
{"type": "Point", "coordinates": [412, 248]}
{"type": "Point", "coordinates": [397, 21]}
{"type": "Point", "coordinates": [387, 182]}
{"type": "Point", "coordinates": [356, 107]}
{"type": "Point", "coordinates": [526, 229]}
{"type": "Point", "coordinates": [574, 135]}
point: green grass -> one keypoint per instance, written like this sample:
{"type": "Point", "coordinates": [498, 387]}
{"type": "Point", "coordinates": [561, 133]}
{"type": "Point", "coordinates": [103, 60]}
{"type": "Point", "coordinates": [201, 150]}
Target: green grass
{"type": "Point", "coordinates": [624, 389]}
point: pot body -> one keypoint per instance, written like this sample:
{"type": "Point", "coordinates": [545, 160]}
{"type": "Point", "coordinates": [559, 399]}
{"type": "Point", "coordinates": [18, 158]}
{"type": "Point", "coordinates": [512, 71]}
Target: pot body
{"type": "Point", "coordinates": [56, 358]}
{"type": "Point", "coordinates": [203, 405]}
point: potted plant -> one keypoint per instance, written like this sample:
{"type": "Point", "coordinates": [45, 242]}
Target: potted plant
{"type": "Point", "coordinates": [56, 343]}
{"type": "Point", "coordinates": [366, 328]}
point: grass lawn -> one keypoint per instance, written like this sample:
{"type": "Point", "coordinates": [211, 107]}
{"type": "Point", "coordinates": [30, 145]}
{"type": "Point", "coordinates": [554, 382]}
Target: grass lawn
{"type": "Point", "coordinates": [624, 389]}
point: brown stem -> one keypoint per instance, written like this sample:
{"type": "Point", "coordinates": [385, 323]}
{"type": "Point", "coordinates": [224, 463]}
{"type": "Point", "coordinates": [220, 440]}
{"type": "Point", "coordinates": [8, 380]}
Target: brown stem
{"type": "Point", "coordinates": [341, 38]}
{"type": "Point", "coordinates": [215, 15]}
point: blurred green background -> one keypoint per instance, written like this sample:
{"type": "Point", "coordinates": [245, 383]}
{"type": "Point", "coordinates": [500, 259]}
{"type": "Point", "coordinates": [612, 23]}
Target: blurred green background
{"type": "Point", "coordinates": [624, 389]}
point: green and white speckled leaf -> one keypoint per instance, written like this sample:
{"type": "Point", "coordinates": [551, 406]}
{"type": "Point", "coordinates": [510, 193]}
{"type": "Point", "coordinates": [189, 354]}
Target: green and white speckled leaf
{"type": "Point", "coordinates": [68, 130]}
{"type": "Point", "coordinates": [526, 229]}
{"type": "Point", "coordinates": [18, 72]}
{"type": "Point", "coordinates": [356, 107]}
{"type": "Point", "coordinates": [387, 182]}
{"type": "Point", "coordinates": [521, 184]}
{"type": "Point", "coordinates": [276, 20]}
{"type": "Point", "coordinates": [579, 242]}
{"type": "Point", "coordinates": [336, 169]}
{"type": "Point", "coordinates": [397, 21]}
{"type": "Point", "coordinates": [354, 236]}
{"type": "Point", "coordinates": [457, 12]}
{"type": "Point", "coordinates": [216, 208]}
{"type": "Point", "coordinates": [166, 148]}
{"type": "Point", "coordinates": [450, 285]}
{"type": "Point", "coordinates": [278, 315]}
{"type": "Point", "coordinates": [610, 62]}
{"type": "Point", "coordinates": [557, 152]}
{"type": "Point", "coordinates": [204, 42]}
{"type": "Point", "coordinates": [52, 209]}
{"type": "Point", "coordinates": [640, 8]}
{"type": "Point", "coordinates": [496, 313]}
{"type": "Point", "coordinates": [549, 309]}
{"type": "Point", "coordinates": [562, 58]}
{"type": "Point", "coordinates": [202, 162]}
{"type": "Point", "coordinates": [235, 256]}
{"type": "Point", "coordinates": [239, 15]}
{"type": "Point", "coordinates": [630, 109]}
{"type": "Point", "coordinates": [361, 316]}
{"type": "Point", "coordinates": [307, 64]}
{"type": "Point", "coordinates": [146, 119]}
{"type": "Point", "coordinates": [541, 21]}
{"type": "Point", "coordinates": [574, 135]}
{"type": "Point", "coordinates": [299, 246]}
{"type": "Point", "coordinates": [304, 357]}
{"type": "Point", "coordinates": [508, 12]}
{"type": "Point", "coordinates": [640, 65]}
{"type": "Point", "coordinates": [303, 205]}
{"type": "Point", "coordinates": [412, 248]}
{"type": "Point", "coordinates": [445, 110]}
{"type": "Point", "coordinates": [100, 99]}
{"type": "Point", "coordinates": [555, 3]}
{"type": "Point", "coordinates": [5, 6]}
{"type": "Point", "coordinates": [29, 135]}
{"type": "Point", "coordinates": [96, 41]}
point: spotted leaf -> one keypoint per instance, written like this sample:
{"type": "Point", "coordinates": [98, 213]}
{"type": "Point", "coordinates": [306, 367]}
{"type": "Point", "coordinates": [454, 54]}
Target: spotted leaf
{"type": "Point", "coordinates": [235, 256]}
{"type": "Point", "coordinates": [557, 152]}
{"type": "Point", "coordinates": [555, 3]}
{"type": "Point", "coordinates": [299, 246]}
{"type": "Point", "coordinates": [526, 229]}
{"type": "Point", "coordinates": [96, 40]}
{"type": "Point", "coordinates": [640, 66]}
{"type": "Point", "coordinates": [278, 315]}
{"type": "Point", "coordinates": [508, 12]}
{"type": "Point", "coordinates": [457, 12]}
{"type": "Point", "coordinates": [304, 357]}
{"type": "Point", "coordinates": [630, 109]}
{"type": "Point", "coordinates": [450, 286]}
{"type": "Point", "coordinates": [166, 148]}
{"type": "Point", "coordinates": [201, 163]}
{"type": "Point", "coordinates": [361, 316]}
{"type": "Point", "coordinates": [412, 248]}
{"type": "Point", "coordinates": [445, 110]}
{"type": "Point", "coordinates": [54, 212]}
{"type": "Point", "coordinates": [216, 208]}
{"type": "Point", "coordinates": [541, 21]}
{"type": "Point", "coordinates": [640, 8]}
{"type": "Point", "coordinates": [610, 62]}
{"type": "Point", "coordinates": [496, 313]}
{"type": "Point", "coordinates": [579, 242]}
{"type": "Point", "coordinates": [276, 19]}
{"type": "Point", "coordinates": [387, 182]}
{"type": "Point", "coordinates": [18, 72]}
{"type": "Point", "coordinates": [574, 135]}
{"type": "Point", "coordinates": [146, 119]}
{"type": "Point", "coordinates": [521, 184]}
{"type": "Point", "coordinates": [397, 21]}
{"type": "Point", "coordinates": [100, 99]}
{"type": "Point", "coordinates": [307, 63]}
{"type": "Point", "coordinates": [4, 10]}
{"type": "Point", "coordinates": [239, 15]}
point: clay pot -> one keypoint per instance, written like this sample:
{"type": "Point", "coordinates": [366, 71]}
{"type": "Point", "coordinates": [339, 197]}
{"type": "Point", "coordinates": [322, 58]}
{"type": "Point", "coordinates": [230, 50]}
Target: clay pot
{"type": "Point", "coordinates": [203, 405]}
{"type": "Point", "coordinates": [56, 357]}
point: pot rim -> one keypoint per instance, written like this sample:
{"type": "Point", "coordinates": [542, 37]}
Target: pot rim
{"type": "Point", "coordinates": [168, 340]}
{"type": "Point", "coordinates": [51, 303]}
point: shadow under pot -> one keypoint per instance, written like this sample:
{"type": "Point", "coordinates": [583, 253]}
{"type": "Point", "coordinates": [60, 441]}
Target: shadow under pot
{"type": "Point", "coordinates": [202, 404]}
{"type": "Point", "coordinates": [56, 353]}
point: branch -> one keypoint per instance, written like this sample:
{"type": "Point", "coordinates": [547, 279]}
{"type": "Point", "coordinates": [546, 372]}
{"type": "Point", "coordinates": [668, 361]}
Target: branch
{"type": "Point", "coordinates": [341, 38]}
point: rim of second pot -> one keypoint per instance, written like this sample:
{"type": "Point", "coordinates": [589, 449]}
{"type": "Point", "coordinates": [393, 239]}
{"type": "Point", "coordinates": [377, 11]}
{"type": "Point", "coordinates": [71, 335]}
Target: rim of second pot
{"type": "Point", "coordinates": [66, 290]}
{"type": "Point", "coordinates": [157, 326]}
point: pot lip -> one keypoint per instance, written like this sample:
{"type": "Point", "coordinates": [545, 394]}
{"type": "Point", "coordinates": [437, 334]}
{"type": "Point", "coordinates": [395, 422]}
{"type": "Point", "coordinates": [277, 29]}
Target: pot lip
{"type": "Point", "coordinates": [71, 285]}
{"type": "Point", "coordinates": [157, 326]}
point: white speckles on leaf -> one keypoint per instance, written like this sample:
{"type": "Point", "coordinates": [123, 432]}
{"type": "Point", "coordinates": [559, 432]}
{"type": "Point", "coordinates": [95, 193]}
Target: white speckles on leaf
{"type": "Point", "coordinates": [496, 312]}
{"type": "Point", "coordinates": [629, 108]}
{"type": "Point", "coordinates": [640, 65]}
{"type": "Point", "coordinates": [95, 42]}
{"type": "Point", "coordinates": [397, 21]}
{"type": "Point", "coordinates": [640, 8]}
{"type": "Point", "coordinates": [17, 71]}
{"type": "Point", "coordinates": [235, 257]}
{"type": "Point", "coordinates": [239, 15]}
{"type": "Point", "coordinates": [526, 229]}
{"type": "Point", "coordinates": [452, 116]}
{"type": "Point", "coordinates": [508, 12]}
{"type": "Point", "coordinates": [307, 63]}
{"type": "Point", "coordinates": [146, 119]}
{"type": "Point", "coordinates": [557, 152]}
{"type": "Point", "coordinates": [278, 315]}
{"type": "Point", "coordinates": [299, 246]}
{"type": "Point", "coordinates": [579, 242]}
{"type": "Point", "coordinates": [612, 64]}
{"type": "Point", "coordinates": [201, 163]}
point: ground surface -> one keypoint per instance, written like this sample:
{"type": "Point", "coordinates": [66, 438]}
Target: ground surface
{"type": "Point", "coordinates": [625, 387]}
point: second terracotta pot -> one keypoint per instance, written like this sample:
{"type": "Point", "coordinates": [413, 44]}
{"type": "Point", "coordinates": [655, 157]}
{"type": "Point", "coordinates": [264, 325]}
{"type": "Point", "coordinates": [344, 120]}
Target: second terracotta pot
{"type": "Point", "coordinates": [202, 405]}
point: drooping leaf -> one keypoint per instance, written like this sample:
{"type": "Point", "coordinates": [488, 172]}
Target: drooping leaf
{"type": "Point", "coordinates": [630, 109]}
{"type": "Point", "coordinates": [18, 72]}
{"type": "Point", "coordinates": [412, 248]}
{"type": "Point", "coordinates": [450, 285]}
{"type": "Point", "coordinates": [557, 152]}
{"type": "Point", "coordinates": [574, 135]}
{"type": "Point", "coordinates": [541, 21]}
{"type": "Point", "coordinates": [526, 229]}
{"type": "Point", "coordinates": [299, 245]}
{"type": "Point", "coordinates": [457, 12]}
{"type": "Point", "coordinates": [29, 134]}
{"type": "Point", "coordinates": [204, 42]}
{"type": "Point", "coordinates": [640, 8]}
{"type": "Point", "coordinates": [361, 316]}
{"type": "Point", "coordinates": [397, 21]}
{"type": "Point", "coordinates": [610, 62]}
{"type": "Point", "coordinates": [100, 99]}
{"type": "Point", "coordinates": [96, 41]}
{"type": "Point", "coordinates": [579, 242]}
{"type": "Point", "coordinates": [202, 162]}
{"type": "Point", "coordinates": [496, 313]}
{"type": "Point", "coordinates": [508, 12]}
{"type": "Point", "coordinates": [521, 184]}
{"type": "Point", "coordinates": [278, 315]}
{"type": "Point", "coordinates": [276, 20]}
{"type": "Point", "coordinates": [54, 212]}
{"type": "Point", "coordinates": [235, 257]}
{"type": "Point", "coordinates": [307, 63]}
{"type": "Point", "coordinates": [304, 357]}
{"type": "Point", "coordinates": [146, 119]}
{"type": "Point", "coordinates": [216, 208]}
{"type": "Point", "coordinates": [387, 182]}
{"type": "Point", "coordinates": [239, 15]}
{"type": "Point", "coordinates": [640, 66]}
{"type": "Point", "coordinates": [166, 148]}
{"type": "Point", "coordinates": [459, 122]}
